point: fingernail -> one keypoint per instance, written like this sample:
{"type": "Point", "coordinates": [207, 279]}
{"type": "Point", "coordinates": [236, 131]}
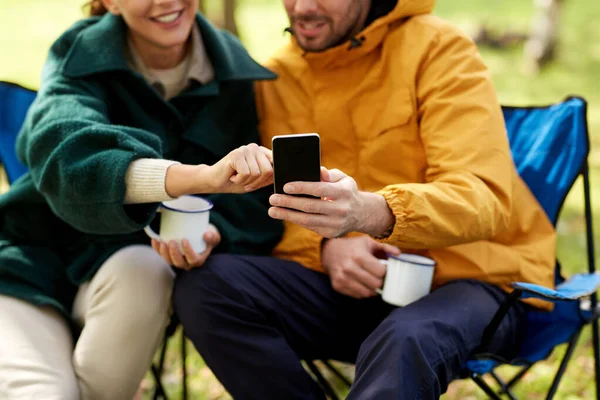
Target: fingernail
{"type": "Point", "coordinates": [275, 200]}
{"type": "Point", "coordinates": [289, 188]}
{"type": "Point", "coordinates": [273, 213]}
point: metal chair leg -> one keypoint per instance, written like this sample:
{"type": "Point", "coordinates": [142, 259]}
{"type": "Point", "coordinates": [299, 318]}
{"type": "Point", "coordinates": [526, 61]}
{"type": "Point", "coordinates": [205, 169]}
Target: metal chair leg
{"type": "Point", "coordinates": [322, 381]}
{"type": "Point", "coordinates": [504, 389]}
{"type": "Point", "coordinates": [596, 340]}
{"type": "Point", "coordinates": [184, 389]}
{"type": "Point", "coordinates": [518, 376]}
{"type": "Point", "coordinates": [159, 391]}
{"type": "Point", "coordinates": [563, 365]}
{"type": "Point", "coordinates": [485, 387]}
{"type": "Point", "coordinates": [337, 373]}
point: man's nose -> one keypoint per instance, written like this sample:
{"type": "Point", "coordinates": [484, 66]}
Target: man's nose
{"type": "Point", "coordinates": [305, 6]}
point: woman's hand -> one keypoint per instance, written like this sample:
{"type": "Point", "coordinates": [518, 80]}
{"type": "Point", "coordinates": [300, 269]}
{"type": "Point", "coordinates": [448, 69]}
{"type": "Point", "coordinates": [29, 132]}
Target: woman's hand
{"type": "Point", "coordinates": [243, 170]}
{"type": "Point", "coordinates": [189, 259]}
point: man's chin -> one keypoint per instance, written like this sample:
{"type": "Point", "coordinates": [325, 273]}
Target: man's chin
{"type": "Point", "coordinates": [312, 45]}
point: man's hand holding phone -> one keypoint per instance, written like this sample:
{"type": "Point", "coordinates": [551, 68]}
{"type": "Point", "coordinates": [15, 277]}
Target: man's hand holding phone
{"type": "Point", "coordinates": [327, 202]}
{"type": "Point", "coordinates": [337, 206]}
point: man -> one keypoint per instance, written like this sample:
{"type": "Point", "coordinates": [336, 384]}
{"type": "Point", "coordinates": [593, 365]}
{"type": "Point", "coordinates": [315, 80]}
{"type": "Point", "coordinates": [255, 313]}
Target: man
{"type": "Point", "coordinates": [405, 108]}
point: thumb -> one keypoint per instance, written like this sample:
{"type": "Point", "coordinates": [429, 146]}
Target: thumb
{"type": "Point", "coordinates": [386, 248]}
{"type": "Point", "coordinates": [212, 236]}
{"type": "Point", "coordinates": [324, 174]}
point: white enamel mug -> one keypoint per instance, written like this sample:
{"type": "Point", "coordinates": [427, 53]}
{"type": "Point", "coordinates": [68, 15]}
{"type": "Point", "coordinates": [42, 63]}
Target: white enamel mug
{"type": "Point", "coordinates": [408, 278]}
{"type": "Point", "coordinates": [185, 217]}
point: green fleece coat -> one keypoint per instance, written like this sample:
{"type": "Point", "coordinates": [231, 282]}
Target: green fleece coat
{"type": "Point", "coordinates": [92, 117]}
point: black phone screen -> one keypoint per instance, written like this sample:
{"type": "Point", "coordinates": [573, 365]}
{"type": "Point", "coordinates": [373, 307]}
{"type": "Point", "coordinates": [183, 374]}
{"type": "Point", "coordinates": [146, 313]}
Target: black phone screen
{"type": "Point", "coordinates": [296, 158]}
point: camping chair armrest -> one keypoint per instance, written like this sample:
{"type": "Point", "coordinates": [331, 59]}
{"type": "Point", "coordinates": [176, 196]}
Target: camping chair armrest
{"type": "Point", "coordinates": [575, 288]}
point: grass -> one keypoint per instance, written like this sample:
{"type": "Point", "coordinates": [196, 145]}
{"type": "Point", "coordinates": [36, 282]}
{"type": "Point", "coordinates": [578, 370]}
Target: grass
{"type": "Point", "coordinates": [28, 27]}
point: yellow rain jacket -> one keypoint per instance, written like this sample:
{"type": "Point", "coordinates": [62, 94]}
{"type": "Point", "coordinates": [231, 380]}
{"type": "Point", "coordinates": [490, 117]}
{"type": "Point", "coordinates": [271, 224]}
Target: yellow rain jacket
{"type": "Point", "coordinates": [412, 114]}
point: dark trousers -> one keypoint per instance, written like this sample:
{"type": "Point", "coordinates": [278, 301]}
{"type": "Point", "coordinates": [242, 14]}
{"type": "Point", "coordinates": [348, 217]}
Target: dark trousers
{"type": "Point", "coordinates": [254, 318]}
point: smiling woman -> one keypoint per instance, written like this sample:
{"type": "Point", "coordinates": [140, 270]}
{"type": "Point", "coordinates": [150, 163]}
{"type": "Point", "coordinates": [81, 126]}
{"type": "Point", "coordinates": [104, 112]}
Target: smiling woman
{"type": "Point", "coordinates": [100, 163]}
{"type": "Point", "coordinates": [158, 30]}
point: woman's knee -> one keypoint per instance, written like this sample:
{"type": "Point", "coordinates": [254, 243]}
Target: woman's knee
{"type": "Point", "coordinates": [138, 277]}
{"type": "Point", "coordinates": [139, 267]}
{"type": "Point", "coordinates": [36, 348]}
{"type": "Point", "coordinates": [53, 388]}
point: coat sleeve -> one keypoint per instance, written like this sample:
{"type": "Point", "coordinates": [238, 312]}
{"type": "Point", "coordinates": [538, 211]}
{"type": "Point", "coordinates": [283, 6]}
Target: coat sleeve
{"type": "Point", "coordinates": [78, 159]}
{"type": "Point", "coordinates": [243, 219]}
{"type": "Point", "coordinates": [466, 195]}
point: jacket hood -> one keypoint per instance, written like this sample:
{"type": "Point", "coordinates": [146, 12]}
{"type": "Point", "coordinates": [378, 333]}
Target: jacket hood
{"type": "Point", "coordinates": [369, 38]}
{"type": "Point", "coordinates": [404, 9]}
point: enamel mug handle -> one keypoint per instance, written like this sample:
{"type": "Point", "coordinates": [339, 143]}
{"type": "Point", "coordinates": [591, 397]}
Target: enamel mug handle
{"type": "Point", "coordinates": [378, 290]}
{"type": "Point", "coordinates": [150, 232]}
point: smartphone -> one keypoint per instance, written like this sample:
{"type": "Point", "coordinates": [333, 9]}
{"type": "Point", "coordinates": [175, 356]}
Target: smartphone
{"type": "Point", "coordinates": [296, 158]}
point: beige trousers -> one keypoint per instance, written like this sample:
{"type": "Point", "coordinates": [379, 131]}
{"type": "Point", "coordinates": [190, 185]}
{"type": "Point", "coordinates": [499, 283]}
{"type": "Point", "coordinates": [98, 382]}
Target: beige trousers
{"type": "Point", "coordinates": [123, 311]}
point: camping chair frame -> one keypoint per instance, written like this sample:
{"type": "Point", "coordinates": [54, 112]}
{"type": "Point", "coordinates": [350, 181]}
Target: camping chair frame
{"type": "Point", "coordinates": [520, 290]}
{"type": "Point", "coordinates": [157, 369]}
{"type": "Point", "coordinates": [591, 319]}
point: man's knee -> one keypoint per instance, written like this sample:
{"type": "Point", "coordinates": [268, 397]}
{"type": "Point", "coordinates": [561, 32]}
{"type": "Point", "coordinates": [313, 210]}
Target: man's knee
{"type": "Point", "coordinates": [420, 349]}
{"type": "Point", "coordinates": [415, 343]}
{"type": "Point", "coordinates": [396, 332]}
{"type": "Point", "coordinates": [400, 352]}
{"type": "Point", "coordinates": [210, 277]}
{"type": "Point", "coordinates": [200, 291]}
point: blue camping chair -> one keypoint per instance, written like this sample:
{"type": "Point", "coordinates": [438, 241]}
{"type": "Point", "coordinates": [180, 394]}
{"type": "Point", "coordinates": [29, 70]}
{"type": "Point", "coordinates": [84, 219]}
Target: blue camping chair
{"type": "Point", "coordinates": [14, 103]}
{"type": "Point", "coordinates": [550, 147]}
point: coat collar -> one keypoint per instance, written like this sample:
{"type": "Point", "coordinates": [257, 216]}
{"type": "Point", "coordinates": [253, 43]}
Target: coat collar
{"type": "Point", "coordinates": [101, 47]}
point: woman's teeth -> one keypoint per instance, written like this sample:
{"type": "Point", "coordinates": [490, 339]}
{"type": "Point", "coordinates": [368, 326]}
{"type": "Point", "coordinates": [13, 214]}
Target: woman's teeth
{"type": "Point", "coordinates": [168, 18]}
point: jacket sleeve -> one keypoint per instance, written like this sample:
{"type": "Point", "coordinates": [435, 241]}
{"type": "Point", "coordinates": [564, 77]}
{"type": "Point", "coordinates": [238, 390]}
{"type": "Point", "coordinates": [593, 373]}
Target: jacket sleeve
{"type": "Point", "coordinates": [243, 219]}
{"type": "Point", "coordinates": [466, 195]}
{"type": "Point", "coordinates": [78, 159]}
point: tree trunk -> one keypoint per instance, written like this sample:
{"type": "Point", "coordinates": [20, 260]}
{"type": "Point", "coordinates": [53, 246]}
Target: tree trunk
{"type": "Point", "coordinates": [225, 19]}
{"type": "Point", "coordinates": [229, 16]}
{"type": "Point", "coordinates": [540, 48]}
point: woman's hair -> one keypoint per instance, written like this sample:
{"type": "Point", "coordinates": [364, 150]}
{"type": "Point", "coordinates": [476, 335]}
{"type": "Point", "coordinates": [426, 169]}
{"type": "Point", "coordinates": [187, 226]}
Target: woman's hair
{"type": "Point", "coordinates": [95, 7]}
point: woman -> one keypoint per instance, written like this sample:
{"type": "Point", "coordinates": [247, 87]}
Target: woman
{"type": "Point", "coordinates": [138, 105]}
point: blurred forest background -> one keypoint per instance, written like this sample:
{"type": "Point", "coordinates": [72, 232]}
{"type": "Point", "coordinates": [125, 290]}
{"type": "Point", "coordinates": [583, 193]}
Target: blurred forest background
{"type": "Point", "coordinates": [539, 52]}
